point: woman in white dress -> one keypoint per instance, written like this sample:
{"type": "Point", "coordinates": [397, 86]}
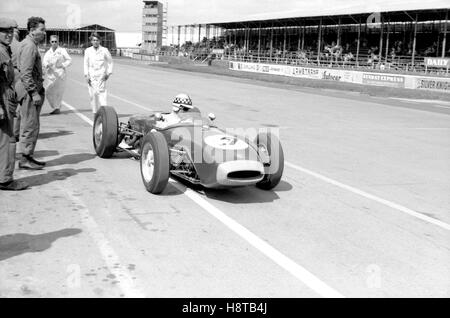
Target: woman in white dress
{"type": "Point", "coordinates": [56, 60]}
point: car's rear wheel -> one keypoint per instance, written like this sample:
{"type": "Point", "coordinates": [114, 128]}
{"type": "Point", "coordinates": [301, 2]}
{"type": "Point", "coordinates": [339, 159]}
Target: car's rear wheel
{"type": "Point", "coordinates": [269, 145]}
{"type": "Point", "coordinates": [155, 162]}
{"type": "Point", "coordinates": [105, 131]}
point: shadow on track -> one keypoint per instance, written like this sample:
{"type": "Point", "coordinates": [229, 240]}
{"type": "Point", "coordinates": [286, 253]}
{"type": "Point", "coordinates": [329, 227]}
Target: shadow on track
{"type": "Point", "coordinates": [45, 153]}
{"type": "Point", "coordinates": [243, 195]}
{"type": "Point", "coordinates": [56, 175]}
{"type": "Point", "coordinates": [71, 159]}
{"type": "Point", "coordinates": [54, 134]}
{"type": "Point", "coordinates": [12, 245]}
{"type": "Point", "coordinates": [66, 112]}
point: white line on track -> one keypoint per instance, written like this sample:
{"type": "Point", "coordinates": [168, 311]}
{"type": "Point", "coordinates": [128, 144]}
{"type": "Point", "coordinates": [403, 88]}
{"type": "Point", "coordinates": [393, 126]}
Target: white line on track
{"type": "Point", "coordinates": [115, 96]}
{"type": "Point", "coordinates": [439, 103]}
{"type": "Point", "coordinates": [124, 280]}
{"type": "Point", "coordinates": [86, 119]}
{"type": "Point", "coordinates": [390, 204]}
{"type": "Point", "coordinates": [289, 265]}
{"type": "Point", "coordinates": [129, 102]}
{"type": "Point", "coordinates": [109, 256]}
{"type": "Point", "coordinates": [371, 197]}
{"type": "Point", "coordinates": [286, 263]}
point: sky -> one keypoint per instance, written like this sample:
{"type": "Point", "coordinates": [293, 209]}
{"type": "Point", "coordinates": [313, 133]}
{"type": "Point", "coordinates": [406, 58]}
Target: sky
{"type": "Point", "coordinates": [125, 15]}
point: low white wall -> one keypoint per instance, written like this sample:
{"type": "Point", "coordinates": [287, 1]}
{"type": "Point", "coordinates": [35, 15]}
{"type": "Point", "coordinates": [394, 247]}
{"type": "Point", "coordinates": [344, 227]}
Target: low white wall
{"type": "Point", "coordinates": [358, 77]}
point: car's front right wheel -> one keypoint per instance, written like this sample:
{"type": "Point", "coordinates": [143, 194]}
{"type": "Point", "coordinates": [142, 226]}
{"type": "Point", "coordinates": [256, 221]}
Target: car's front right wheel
{"type": "Point", "coordinates": [269, 146]}
{"type": "Point", "coordinates": [155, 164]}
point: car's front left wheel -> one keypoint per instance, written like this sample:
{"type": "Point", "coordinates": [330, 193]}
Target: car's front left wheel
{"type": "Point", "coordinates": [155, 164]}
{"type": "Point", "coordinates": [105, 131]}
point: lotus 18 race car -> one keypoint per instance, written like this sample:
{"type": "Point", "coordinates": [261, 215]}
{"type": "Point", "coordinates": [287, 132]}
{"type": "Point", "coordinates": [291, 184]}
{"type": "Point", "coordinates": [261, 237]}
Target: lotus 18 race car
{"type": "Point", "coordinates": [187, 145]}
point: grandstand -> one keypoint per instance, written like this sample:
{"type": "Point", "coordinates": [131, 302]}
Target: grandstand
{"type": "Point", "coordinates": [398, 39]}
{"type": "Point", "coordinates": [76, 40]}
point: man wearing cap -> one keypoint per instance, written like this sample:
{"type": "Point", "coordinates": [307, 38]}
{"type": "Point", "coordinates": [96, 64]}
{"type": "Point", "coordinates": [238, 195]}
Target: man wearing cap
{"type": "Point", "coordinates": [30, 92]}
{"type": "Point", "coordinates": [8, 106]}
{"type": "Point", "coordinates": [98, 66]}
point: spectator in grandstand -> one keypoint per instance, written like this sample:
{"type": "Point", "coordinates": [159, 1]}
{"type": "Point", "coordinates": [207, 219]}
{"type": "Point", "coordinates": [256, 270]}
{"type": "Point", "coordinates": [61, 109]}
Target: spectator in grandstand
{"type": "Point", "coordinates": [398, 47]}
{"type": "Point", "coordinates": [336, 51]}
{"type": "Point", "coordinates": [431, 50]}
{"type": "Point", "coordinates": [328, 51]}
{"type": "Point", "coordinates": [301, 57]}
{"type": "Point", "coordinates": [56, 60]}
{"type": "Point", "coordinates": [371, 60]}
{"type": "Point", "coordinates": [392, 58]}
{"type": "Point", "coordinates": [98, 66]}
{"type": "Point", "coordinates": [392, 54]}
{"type": "Point", "coordinates": [373, 56]}
{"type": "Point", "coordinates": [410, 49]}
{"type": "Point", "coordinates": [348, 58]}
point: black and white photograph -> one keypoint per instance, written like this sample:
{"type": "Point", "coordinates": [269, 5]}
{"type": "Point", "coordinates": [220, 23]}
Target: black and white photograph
{"type": "Point", "coordinates": [236, 152]}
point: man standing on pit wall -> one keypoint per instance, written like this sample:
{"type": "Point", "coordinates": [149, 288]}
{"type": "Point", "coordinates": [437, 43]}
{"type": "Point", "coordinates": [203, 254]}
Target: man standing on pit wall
{"type": "Point", "coordinates": [8, 105]}
{"type": "Point", "coordinates": [30, 92]}
{"type": "Point", "coordinates": [98, 66]}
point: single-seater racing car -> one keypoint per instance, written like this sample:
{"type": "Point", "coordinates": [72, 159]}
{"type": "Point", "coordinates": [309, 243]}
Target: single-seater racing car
{"type": "Point", "coordinates": [189, 146]}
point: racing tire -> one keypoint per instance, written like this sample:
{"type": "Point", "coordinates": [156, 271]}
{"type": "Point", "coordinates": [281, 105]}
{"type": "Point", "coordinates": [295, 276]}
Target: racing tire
{"type": "Point", "coordinates": [105, 131]}
{"type": "Point", "coordinates": [154, 162]}
{"type": "Point", "coordinates": [274, 171]}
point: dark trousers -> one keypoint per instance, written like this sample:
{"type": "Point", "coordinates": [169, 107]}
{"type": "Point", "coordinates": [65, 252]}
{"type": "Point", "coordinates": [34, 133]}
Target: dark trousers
{"type": "Point", "coordinates": [29, 124]}
{"type": "Point", "coordinates": [7, 148]}
{"type": "Point", "coordinates": [16, 127]}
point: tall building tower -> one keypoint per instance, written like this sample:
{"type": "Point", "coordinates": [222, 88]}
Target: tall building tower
{"type": "Point", "coordinates": [165, 26]}
{"type": "Point", "coordinates": [152, 25]}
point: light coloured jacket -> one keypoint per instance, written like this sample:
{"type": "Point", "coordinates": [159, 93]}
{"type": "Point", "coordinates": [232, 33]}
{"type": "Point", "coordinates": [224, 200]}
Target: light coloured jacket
{"type": "Point", "coordinates": [97, 62]}
{"type": "Point", "coordinates": [55, 63]}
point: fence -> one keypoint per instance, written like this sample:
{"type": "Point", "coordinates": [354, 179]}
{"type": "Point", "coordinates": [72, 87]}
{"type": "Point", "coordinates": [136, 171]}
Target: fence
{"type": "Point", "coordinates": [397, 64]}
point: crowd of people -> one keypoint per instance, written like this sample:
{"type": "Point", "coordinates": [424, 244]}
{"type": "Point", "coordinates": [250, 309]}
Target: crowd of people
{"type": "Point", "coordinates": [26, 81]}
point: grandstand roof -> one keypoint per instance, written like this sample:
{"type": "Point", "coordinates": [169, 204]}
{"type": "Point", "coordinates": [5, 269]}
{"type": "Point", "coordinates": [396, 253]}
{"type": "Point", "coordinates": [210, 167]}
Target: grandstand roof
{"type": "Point", "coordinates": [348, 10]}
{"type": "Point", "coordinates": [84, 28]}
{"type": "Point", "coordinates": [96, 27]}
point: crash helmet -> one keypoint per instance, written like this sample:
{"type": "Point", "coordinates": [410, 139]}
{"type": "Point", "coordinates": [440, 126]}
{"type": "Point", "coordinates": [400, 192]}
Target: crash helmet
{"type": "Point", "coordinates": [182, 100]}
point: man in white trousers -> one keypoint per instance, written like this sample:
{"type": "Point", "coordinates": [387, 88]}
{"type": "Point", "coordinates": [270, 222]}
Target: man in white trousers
{"type": "Point", "coordinates": [56, 60]}
{"type": "Point", "coordinates": [98, 65]}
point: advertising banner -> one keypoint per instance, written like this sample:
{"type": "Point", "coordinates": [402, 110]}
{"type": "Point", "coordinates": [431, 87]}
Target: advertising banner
{"type": "Point", "coordinates": [383, 80]}
{"type": "Point", "coordinates": [436, 84]}
{"type": "Point", "coordinates": [339, 75]}
{"type": "Point", "coordinates": [437, 62]}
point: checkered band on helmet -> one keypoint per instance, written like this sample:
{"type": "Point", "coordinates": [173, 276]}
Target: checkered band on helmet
{"type": "Point", "coordinates": [182, 100]}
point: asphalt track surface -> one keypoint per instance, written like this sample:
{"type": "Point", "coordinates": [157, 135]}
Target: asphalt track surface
{"type": "Point", "coordinates": [362, 209]}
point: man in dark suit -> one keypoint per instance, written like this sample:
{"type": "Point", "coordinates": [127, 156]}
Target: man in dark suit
{"type": "Point", "coordinates": [8, 105]}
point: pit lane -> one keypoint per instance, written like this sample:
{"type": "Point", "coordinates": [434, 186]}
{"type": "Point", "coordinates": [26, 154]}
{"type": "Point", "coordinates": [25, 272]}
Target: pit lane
{"type": "Point", "coordinates": [88, 228]}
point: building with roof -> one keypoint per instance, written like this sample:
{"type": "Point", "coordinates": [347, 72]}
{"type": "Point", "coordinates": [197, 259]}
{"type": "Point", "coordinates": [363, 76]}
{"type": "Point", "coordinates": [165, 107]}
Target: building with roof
{"type": "Point", "coordinates": [79, 38]}
{"type": "Point", "coordinates": [154, 25]}
{"type": "Point", "coordinates": [375, 32]}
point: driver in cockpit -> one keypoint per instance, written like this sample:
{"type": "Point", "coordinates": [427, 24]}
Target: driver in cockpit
{"type": "Point", "coordinates": [182, 103]}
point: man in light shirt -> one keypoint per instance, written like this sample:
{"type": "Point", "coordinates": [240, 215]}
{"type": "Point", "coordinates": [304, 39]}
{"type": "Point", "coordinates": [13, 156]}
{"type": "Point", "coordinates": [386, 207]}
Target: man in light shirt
{"type": "Point", "coordinates": [56, 60]}
{"type": "Point", "coordinates": [98, 67]}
